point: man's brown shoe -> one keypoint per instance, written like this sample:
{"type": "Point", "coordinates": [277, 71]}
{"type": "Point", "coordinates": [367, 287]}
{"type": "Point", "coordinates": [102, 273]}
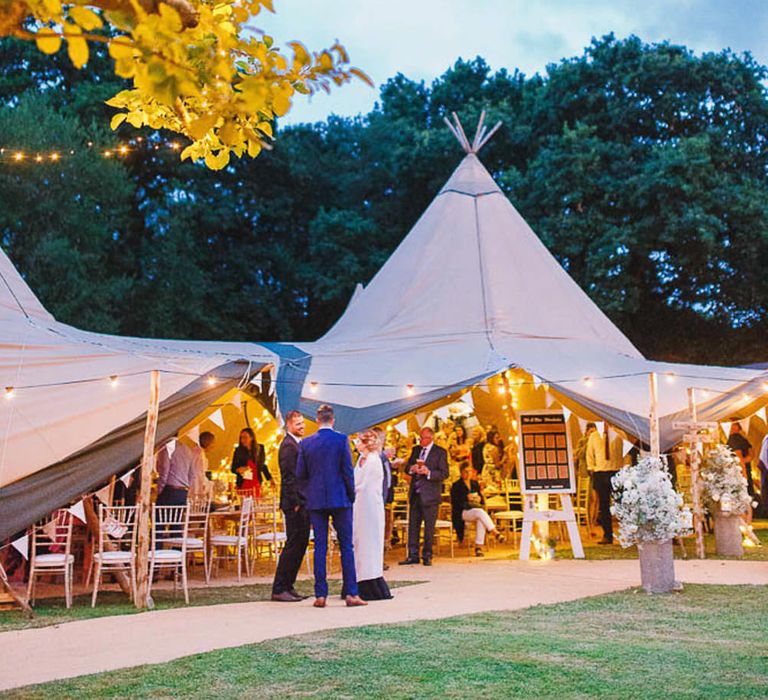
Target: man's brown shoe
{"type": "Point", "coordinates": [319, 602]}
{"type": "Point", "coordinates": [285, 597]}
{"type": "Point", "coordinates": [354, 601]}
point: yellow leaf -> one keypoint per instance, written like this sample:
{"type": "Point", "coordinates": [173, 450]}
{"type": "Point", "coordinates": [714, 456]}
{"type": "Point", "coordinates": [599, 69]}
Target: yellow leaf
{"type": "Point", "coordinates": [281, 103]}
{"type": "Point", "coordinates": [357, 72]}
{"type": "Point", "coordinates": [254, 148]}
{"type": "Point", "coordinates": [135, 119]}
{"type": "Point", "coordinates": [120, 47]}
{"type": "Point", "coordinates": [217, 162]}
{"type": "Point", "coordinates": [228, 134]}
{"type": "Point", "coordinates": [86, 18]}
{"type": "Point", "coordinates": [200, 127]}
{"type": "Point", "coordinates": [266, 127]}
{"type": "Point", "coordinates": [117, 120]}
{"type": "Point", "coordinates": [77, 47]}
{"type": "Point", "coordinates": [47, 41]}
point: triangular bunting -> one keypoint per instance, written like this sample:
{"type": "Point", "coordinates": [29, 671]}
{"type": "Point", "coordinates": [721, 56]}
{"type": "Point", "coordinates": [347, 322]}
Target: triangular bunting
{"type": "Point", "coordinates": [600, 425]}
{"type": "Point", "coordinates": [442, 412]}
{"type": "Point", "coordinates": [126, 478]}
{"type": "Point", "coordinates": [103, 495]}
{"type": "Point", "coordinates": [257, 381]}
{"type": "Point", "coordinates": [217, 418]}
{"type": "Point", "coordinates": [194, 434]}
{"type": "Point", "coordinates": [21, 545]}
{"type": "Point", "coordinates": [566, 413]}
{"type": "Point", "coordinates": [726, 426]}
{"type": "Point", "coordinates": [421, 417]}
{"type": "Point", "coordinates": [78, 511]}
{"type": "Point", "coordinates": [236, 400]}
{"type": "Point", "coordinates": [627, 448]}
{"type": "Point", "coordinates": [745, 424]}
{"type": "Point", "coordinates": [402, 427]}
{"type": "Point", "coordinates": [761, 413]}
{"type": "Point", "coordinates": [483, 386]}
{"type": "Point", "coordinates": [467, 399]}
{"type": "Point", "coordinates": [549, 400]}
{"type": "Point", "coordinates": [582, 423]}
{"type": "Point", "coordinates": [536, 381]}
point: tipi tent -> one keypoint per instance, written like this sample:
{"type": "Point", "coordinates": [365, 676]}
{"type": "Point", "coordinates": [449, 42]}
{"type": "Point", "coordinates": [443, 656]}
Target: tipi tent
{"type": "Point", "coordinates": [470, 292]}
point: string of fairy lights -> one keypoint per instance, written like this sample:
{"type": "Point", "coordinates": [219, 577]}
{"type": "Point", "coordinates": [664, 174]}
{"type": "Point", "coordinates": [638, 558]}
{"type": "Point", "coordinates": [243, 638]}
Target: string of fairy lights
{"type": "Point", "coordinates": [18, 156]}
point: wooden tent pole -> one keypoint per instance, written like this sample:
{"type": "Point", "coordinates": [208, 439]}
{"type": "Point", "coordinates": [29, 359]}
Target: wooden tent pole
{"type": "Point", "coordinates": [698, 514]}
{"type": "Point", "coordinates": [654, 416]}
{"type": "Point", "coordinates": [143, 600]}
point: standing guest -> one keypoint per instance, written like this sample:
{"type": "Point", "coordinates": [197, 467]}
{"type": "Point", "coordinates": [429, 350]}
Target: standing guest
{"type": "Point", "coordinates": [762, 466]}
{"type": "Point", "coordinates": [467, 503]}
{"type": "Point", "coordinates": [742, 448]}
{"type": "Point", "coordinates": [249, 464]}
{"type": "Point", "coordinates": [202, 486]}
{"type": "Point", "coordinates": [599, 463]}
{"type": "Point", "coordinates": [327, 485]}
{"type": "Point", "coordinates": [492, 453]}
{"type": "Point", "coordinates": [388, 486]}
{"type": "Point", "coordinates": [295, 514]}
{"type": "Point", "coordinates": [368, 520]}
{"type": "Point", "coordinates": [177, 473]}
{"type": "Point", "coordinates": [478, 449]}
{"type": "Point", "coordinates": [458, 445]}
{"type": "Point", "coordinates": [428, 467]}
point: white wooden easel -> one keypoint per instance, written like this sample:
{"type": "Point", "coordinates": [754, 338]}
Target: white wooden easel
{"type": "Point", "coordinates": [566, 515]}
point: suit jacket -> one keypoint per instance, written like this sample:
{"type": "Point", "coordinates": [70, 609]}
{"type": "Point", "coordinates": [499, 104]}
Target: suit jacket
{"type": "Point", "coordinates": [428, 489]}
{"type": "Point", "coordinates": [287, 456]}
{"type": "Point", "coordinates": [390, 479]}
{"type": "Point", "coordinates": [324, 471]}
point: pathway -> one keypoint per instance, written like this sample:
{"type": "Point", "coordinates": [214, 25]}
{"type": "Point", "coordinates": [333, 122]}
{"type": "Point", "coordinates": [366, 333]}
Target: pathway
{"type": "Point", "coordinates": [104, 644]}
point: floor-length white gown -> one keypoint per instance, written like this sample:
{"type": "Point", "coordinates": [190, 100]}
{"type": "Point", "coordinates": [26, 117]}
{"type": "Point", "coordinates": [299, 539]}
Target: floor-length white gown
{"type": "Point", "coordinates": [368, 518]}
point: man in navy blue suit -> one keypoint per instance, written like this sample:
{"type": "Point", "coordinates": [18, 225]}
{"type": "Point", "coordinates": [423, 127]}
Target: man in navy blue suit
{"type": "Point", "coordinates": [327, 484]}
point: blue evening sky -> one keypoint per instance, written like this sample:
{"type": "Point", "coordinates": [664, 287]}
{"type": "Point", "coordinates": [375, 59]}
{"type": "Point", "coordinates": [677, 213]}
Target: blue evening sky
{"type": "Point", "coordinates": [422, 38]}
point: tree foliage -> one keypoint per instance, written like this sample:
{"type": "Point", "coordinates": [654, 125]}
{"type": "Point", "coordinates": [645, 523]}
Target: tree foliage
{"type": "Point", "coordinates": [642, 168]}
{"type": "Point", "coordinates": [195, 66]}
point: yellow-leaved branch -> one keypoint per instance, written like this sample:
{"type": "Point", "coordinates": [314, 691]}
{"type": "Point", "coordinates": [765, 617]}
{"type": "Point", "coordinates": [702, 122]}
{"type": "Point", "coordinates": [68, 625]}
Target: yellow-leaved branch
{"type": "Point", "coordinates": [197, 67]}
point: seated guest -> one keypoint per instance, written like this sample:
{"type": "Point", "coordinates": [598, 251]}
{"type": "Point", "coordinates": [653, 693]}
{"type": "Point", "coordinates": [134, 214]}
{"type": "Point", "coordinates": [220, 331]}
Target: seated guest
{"type": "Point", "coordinates": [467, 506]}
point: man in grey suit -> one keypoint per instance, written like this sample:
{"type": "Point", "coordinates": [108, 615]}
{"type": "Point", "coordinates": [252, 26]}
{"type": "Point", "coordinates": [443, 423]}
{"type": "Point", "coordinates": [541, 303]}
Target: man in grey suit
{"type": "Point", "coordinates": [428, 467]}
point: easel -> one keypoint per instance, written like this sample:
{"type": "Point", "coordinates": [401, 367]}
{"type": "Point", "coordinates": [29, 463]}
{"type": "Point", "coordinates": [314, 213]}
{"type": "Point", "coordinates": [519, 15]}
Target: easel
{"type": "Point", "coordinates": [9, 597]}
{"type": "Point", "coordinates": [697, 433]}
{"type": "Point", "coordinates": [566, 515]}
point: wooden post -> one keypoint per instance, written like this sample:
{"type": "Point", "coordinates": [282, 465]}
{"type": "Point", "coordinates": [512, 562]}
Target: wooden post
{"type": "Point", "coordinates": [143, 599]}
{"type": "Point", "coordinates": [654, 416]}
{"type": "Point", "coordinates": [698, 513]}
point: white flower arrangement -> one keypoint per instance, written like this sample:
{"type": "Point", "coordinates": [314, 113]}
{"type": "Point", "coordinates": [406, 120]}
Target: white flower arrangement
{"type": "Point", "coordinates": [647, 506]}
{"type": "Point", "coordinates": [723, 482]}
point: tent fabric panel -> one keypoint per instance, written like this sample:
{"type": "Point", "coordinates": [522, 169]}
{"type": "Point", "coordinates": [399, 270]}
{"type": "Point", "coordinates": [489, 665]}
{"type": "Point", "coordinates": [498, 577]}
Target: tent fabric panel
{"type": "Point", "coordinates": [291, 374]}
{"type": "Point", "coordinates": [27, 500]}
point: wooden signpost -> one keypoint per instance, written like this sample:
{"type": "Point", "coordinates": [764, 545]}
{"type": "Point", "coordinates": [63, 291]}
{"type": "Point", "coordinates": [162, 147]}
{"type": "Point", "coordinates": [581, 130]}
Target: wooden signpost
{"type": "Point", "coordinates": [546, 467]}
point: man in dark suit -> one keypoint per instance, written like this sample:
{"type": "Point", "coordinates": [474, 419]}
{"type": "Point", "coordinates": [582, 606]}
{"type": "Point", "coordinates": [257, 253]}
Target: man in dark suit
{"type": "Point", "coordinates": [294, 513]}
{"type": "Point", "coordinates": [327, 484]}
{"type": "Point", "coordinates": [428, 467]}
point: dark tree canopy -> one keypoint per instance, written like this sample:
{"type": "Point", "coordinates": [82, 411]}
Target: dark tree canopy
{"type": "Point", "coordinates": [642, 168]}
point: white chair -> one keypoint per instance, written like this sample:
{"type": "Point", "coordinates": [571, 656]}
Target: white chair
{"type": "Point", "coordinates": [581, 509]}
{"type": "Point", "coordinates": [170, 526]}
{"type": "Point", "coordinates": [443, 526]}
{"type": "Point", "coordinates": [116, 546]}
{"type": "Point", "coordinates": [511, 520]}
{"type": "Point", "coordinates": [238, 542]}
{"type": "Point", "coordinates": [197, 530]}
{"type": "Point", "coordinates": [50, 553]}
{"type": "Point", "coordinates": [267, 529]}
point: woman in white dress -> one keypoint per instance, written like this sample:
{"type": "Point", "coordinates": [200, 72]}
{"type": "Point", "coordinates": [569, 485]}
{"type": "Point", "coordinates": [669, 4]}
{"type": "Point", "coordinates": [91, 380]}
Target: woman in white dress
{"type": "Point", "coordinates": [368, 520]}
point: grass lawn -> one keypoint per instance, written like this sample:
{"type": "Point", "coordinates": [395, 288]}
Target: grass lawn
{"type": "Point", "coordinates": [54, 612]}
{"type": "Point", "coordinates": [708, 642]}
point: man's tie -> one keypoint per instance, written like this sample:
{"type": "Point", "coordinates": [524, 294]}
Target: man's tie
{"type": "Point", "coordinates": [423, 455]}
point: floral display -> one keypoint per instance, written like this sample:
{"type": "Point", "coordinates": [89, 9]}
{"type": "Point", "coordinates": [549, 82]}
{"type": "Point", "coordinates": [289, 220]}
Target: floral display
{"type": "Point", "coordinates": [723, 483]}
{"type": "Point", "coordinates": [647, 506]}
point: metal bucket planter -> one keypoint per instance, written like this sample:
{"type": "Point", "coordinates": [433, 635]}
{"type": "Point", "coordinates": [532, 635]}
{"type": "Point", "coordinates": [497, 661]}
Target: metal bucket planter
{"type": "Point", "coordinates": [657, 566]}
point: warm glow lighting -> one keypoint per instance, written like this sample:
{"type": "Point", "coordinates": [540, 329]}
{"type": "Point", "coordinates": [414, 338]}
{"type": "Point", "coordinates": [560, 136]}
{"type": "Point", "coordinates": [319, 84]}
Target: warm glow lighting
{"type": "Point", "coordinates": [123, 149]}
{"type": "Point", "coordinates": [587, 381]}
{"type": "Point", "coordinates": [54, 156]}
{"type": "Point", "coordinates": [10, 392]}
{"type": "Point", "coordinates": [502, 390]}
{"type": "Point", "coordinates": [705, 393]}
{"type": "Point", "coordinates": [389, 427]}
{"type": "Point", "coordinates": [113, 380]}
{"type": "Point", "coordinates": [211, 380]}
{"type": "Point", "coordinates": [18, 156]}
{"type": "Point", "coordinates": [313, 387]}
{"type": "Point", "coordinates": [107, 154]}
{"type": "Point", "coordinates": [38, 158]}
{"type": "Point", "coordinates": [514, 424]}
{"type": "Point", "coordinates": [410, 390]}
{"type": "Point", "coordinates": [670, 377]}
{"type": "Point", "coordinates": [175, 146]}
{"type": "Point", "coordinates": [746, 397]}
{"type": "Point", "coordinates": [504, 407]}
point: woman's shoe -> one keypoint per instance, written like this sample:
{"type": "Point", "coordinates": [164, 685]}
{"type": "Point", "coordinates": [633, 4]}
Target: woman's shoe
{"type": "Point", "coordinates": [479, 552]}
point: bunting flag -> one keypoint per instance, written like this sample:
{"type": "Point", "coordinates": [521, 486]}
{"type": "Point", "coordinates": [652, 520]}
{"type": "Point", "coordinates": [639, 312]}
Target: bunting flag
{"type": "Point", "coordinates": [273, 380]}
{"type": "Point", "coordinates": [194, 434]}
{"type": "Point", "coordinates": [21, 545]}
{"type": "Point", "coordinates": [582, 423]}
{"type": "Point", "coordinates": [402, 427]}
{"type": "Point", "coordinates": [467, 399]}
{"type": "Point", "coordinates": [421, 417]}
{"type": "Point", "coordinates": [744, 423]}
{"type": "Point", "coordinates": [600, 425]}
{"type": "Point", "coordinates": [761, 413]}
{"type": "Point", "coordinates": [126, 478]}
{"type": "Point", "coordinates": [627, 448]}
{"type": "Point", "coordinates": [726, 426]}
{"type": "Point", "coordinates": [483, 386]}
{"type": "Point", "coordinates": [442, 412]}
{"type": "Point", "coordinates": [256, 381]}
{"type": "Point", "coordinates": [566, 413]}
{"type": "Point", "coordinates": [78, 511]}
{"type": "Point", "coordinates": [103, 495]}
{"type": "Point", "coordinates": [549, 400]}
{"type": "Point", "coordinates": [536, 381]}
{"type": "Point", "coordinates": [236, 400]}
{"type": "Point", "coordinates": [217, 418]}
